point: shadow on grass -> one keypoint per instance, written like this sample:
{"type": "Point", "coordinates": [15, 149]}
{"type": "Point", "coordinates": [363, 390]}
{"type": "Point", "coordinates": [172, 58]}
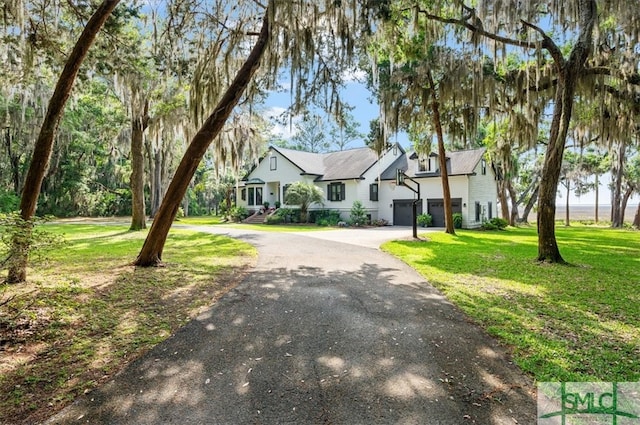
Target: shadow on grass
{"type": "Point", "coordinates": [575, 323]}
{"type": "Point", "coordinates": [68, 336]}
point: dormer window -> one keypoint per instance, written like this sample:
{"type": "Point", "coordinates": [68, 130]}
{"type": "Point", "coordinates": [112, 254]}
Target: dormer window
{"type": "Point", "coordinates": [423, 165]}
{"type": "Point", "coordinates": [426, 165]}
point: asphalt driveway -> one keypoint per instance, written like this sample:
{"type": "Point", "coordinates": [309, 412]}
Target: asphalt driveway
{"type": "Point", "coordinates": [323, 331]}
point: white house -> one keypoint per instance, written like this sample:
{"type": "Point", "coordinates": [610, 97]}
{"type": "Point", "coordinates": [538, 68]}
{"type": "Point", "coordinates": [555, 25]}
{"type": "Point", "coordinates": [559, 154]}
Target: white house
{"type": "Point", "coordinates": [472, 185]}
{"type": "Point", "coordinates": [358, 174]}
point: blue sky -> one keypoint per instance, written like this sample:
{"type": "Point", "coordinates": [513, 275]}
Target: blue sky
{"type": "Point", "coordinates": [364, 111]}
{"type": "Point", "coordinates": [355, 94]}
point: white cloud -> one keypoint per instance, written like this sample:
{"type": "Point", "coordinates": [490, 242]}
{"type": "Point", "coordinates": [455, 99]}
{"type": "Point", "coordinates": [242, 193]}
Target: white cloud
{"type": "Point", "coordinates": [356, 76]}
{"type": "Point", "coordinates": [282, 126]}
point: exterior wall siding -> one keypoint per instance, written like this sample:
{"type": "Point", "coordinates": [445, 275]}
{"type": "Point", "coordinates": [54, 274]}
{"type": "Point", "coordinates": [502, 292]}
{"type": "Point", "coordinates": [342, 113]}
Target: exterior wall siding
{"type": "Point", "coordinates": [275, 180]}
{"type": "Point", "coordinates": [484, 190]}
{"type": "Point", "coordinates": [359, 189]}
{"type": "Point", "coordinates": [470, 189]}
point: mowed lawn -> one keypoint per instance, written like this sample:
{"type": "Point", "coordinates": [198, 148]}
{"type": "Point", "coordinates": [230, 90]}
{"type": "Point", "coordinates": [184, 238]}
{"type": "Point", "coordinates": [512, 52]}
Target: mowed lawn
{"type": "Point", "coordinates": [87, 312]}
{"type": "Point", "coordinates": [579, 322]}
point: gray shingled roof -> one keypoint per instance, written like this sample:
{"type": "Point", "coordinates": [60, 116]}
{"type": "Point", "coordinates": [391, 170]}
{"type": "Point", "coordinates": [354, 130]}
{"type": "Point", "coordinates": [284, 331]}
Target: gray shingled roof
{"type": "Point", "coordinates": [341, 165]}
{"type": "Point", "coordinates": [459, 163]}
{"type": "Point", "coordinates": [307, 162]}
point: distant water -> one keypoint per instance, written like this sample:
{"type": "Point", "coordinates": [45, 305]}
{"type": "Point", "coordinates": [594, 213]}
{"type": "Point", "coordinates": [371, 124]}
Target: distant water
{"type": "Point", "coordinates": [587, 212]}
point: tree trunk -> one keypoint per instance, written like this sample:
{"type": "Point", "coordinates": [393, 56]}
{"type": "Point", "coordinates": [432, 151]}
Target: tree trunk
{"type": "Point", "coordinates": [185, 204]}
{"type": "Point", "coordinates": [623, 205]}
{"type": "Point", "coordinates": [151, 253]}
{"type": "Point", "coordinates": [14, 160]}
{"type": "Point", "coordinates": [44, 143]}
{"type": "Point", "coordinates": [148, 149]}
{"type": "Point", "coordinates": [566, 212]}
{"type": "Point", "coordinates": [227, 199]}
{"type": "Point", "coordinates": [636, 219]}
{"type": "Point", "coordinates": [442, 157]}
{"type": "Point", "coordinates": [597, 187]}
{"type": "Point", "coordinates": [547, 245]}
{"type": "Point", "coordinates": [138, 127]}
{"type": "Point", "coordinates": [156, 189]}
{"type": "Point", "coordinates": [568, 73]}
{"type": "Point", "coordinates": [530, 204]}
{"type": "Point", "coordinates": [502, 197]}
{"type": "Point", "coordinates": [515, 216]}
{"type": "Point", "coordinates": [158, 174]}
{"type": "Point", "coordinates": [617, 170]}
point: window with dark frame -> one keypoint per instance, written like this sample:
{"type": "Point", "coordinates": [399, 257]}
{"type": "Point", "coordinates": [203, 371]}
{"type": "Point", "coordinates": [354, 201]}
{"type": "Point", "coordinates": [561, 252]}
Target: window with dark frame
{"type": "Point", "coordinates": [373, 192]}
{"type": "Point", "coordinates": [424, 165]}
{"type": "Point", "coordinates": [490, 210]}
{"type": "Point", "coordinates": [483, 166]}
{"type": "Point", "coordinates": [243, 194]}
{"type": "Point", "coordinates": [258, 196]}
{"type": "Point", "coordinates": [478, 211]}
{"type": "Point", "coordinates": [273, 163]}
{"type": "Point", "coordinates": [336, 192]}
{"type": "Point", "coordinates": [252, 196]}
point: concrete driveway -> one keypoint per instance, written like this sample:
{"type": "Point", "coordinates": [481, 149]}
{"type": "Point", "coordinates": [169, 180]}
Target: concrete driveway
{"type": "Point", "coordinates": [321, 332]}
{"type": "Point", "coordinates": [367, 237]}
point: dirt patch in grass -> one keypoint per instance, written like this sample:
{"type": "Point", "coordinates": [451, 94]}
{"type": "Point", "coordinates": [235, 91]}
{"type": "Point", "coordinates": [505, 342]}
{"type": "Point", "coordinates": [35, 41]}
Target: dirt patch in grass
{"type": "Point", "coordinates": [67, 331]}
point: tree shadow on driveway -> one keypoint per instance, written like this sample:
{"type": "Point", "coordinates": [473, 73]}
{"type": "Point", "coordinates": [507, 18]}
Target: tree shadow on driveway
{"type": "Point", "coordinates": [307, 345]}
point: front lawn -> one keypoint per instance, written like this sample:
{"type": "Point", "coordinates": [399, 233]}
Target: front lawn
{"type": "Point", "coordinates": [564, 323]}
{"type": "Point", "coordinates": [87, 312]}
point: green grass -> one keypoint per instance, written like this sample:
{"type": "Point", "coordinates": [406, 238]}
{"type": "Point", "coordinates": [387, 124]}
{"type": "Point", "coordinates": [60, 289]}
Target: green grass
{"type": "Point", "coordinates": [87, 312]}
{"type": "Point", "coordinates": [200, 220]}
{"type": "Point", "coordinates": [579, 322]}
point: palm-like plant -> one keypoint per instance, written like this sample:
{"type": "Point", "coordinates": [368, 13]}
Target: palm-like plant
{"type": "Point", "coordinates": [304, 194]}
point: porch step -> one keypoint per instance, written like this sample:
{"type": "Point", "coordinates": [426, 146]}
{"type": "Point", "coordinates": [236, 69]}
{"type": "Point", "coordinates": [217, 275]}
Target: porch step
{"type": "Point", "coordinates": [256, 218]}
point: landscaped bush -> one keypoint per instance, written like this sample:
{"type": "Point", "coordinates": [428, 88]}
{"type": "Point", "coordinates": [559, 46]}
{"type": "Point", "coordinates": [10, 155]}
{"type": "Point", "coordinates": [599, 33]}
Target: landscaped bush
{"type": "Point", "coordinates": [424, 220]}
{"type": "Point", "coordinates": [238, 213]}
{"type": "Point", "coordinates": [358, 216]}
{"type": "Point", "coordinates": [380, 222]}
{"type": "Point", "coordinates": [325, 217]}
{"type": "Point", "coordinates": [457, 220]}
{"type": "Point", "coordinates": [274, 219]}
{"type": "Point", "coordinates": [495, 223]}
{"type": "Point", "coordinates": [289, 215]}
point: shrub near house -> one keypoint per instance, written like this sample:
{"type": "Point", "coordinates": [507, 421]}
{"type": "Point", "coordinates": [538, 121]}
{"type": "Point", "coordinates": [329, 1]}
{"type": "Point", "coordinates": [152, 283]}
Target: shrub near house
{"type": "Point", "coordinates": [358, 215]}
{"type": "Point", "coordinates": [424, 220]}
